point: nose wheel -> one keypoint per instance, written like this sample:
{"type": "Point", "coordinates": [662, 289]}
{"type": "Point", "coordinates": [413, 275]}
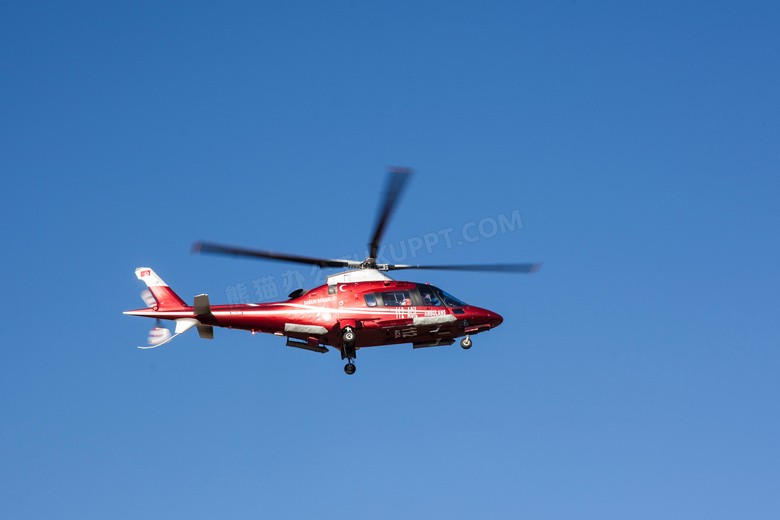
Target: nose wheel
{"type": "Point", "coordinates": [348, 335]}
{"type": "Point", "coordinates": [348, 349]}
{"type": "Point", "coordinates": [466, 343]}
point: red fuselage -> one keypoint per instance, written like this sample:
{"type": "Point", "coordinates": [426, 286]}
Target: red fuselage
{"type": "Point", "coordinates": [381, 312]}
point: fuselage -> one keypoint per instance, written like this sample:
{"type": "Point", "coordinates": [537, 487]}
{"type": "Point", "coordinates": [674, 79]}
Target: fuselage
{"type": "Point", "coordinates": [381, 310]}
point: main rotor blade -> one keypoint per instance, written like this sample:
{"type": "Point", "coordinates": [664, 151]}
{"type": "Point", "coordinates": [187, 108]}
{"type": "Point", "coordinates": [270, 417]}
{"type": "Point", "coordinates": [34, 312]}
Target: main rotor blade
{"type": "Point", "coordinates": [209, 247]}
{"type": "Point", "coordinates": [501, 268]}
{"type": "Point", "coordinates": [395, 184]}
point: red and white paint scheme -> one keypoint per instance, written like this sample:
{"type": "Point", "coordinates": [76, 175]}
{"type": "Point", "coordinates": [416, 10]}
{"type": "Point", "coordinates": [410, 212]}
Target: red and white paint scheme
{"type": "Point", "coordinates": [355, 309]}
{"type": "Point", "coordinates": [365, 308]}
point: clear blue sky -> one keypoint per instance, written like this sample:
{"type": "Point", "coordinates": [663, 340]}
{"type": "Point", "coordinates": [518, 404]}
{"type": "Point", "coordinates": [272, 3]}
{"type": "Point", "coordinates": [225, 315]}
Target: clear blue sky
{"type": "Point", "coordinates": [635, 376]}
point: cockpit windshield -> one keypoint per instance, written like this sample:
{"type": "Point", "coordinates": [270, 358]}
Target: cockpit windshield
{"type": "Point", "coordinates": [437, 297]}
{"type": "Point", "coordinates": [451, 301]}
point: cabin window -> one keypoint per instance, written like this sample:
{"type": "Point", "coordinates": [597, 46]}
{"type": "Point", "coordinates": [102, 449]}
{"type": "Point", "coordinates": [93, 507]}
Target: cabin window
{"type": "Point", "coordinates": [370, 300]}
{"type": "Point", "coordinates": [396, 299]}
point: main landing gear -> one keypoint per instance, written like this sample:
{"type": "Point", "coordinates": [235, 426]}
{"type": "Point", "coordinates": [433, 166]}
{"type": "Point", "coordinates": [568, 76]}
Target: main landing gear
{"type": "Point", "coordinates": [466, 343]}
{"type": "Point", "coordinates": [348, 349]}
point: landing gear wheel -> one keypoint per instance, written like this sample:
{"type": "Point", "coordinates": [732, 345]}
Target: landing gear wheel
{"type": "Point", "coordinates": [348, 334]}
{"type": "Point", "coordinates": [466, 343]}
{"type": "Point", "coordinates": [349, 368]}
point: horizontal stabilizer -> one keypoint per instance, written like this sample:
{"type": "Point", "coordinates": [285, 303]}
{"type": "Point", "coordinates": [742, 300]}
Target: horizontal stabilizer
{"type": "Point", "coordinates": [206, 331]}
{"type": "Point", "coordinates": [202, 306]}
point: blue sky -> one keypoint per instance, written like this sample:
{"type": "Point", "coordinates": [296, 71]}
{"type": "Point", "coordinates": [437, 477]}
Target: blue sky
{"type": "Point", "coordinates": [635, 376]}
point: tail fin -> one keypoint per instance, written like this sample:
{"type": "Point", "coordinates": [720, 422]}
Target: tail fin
{"type": "Point", "coordinates": [166, 298]}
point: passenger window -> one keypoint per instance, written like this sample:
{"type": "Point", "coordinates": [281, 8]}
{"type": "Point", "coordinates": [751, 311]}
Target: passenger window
{"type": "Point", "coordinates": [370, 300]}
{"type": "Point", "coordinates": [396, 299]}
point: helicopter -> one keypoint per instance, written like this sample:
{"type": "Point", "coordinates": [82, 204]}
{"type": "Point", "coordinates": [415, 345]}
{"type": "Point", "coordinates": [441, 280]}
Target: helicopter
{"type": "Point", "coordinates": [358, 308]}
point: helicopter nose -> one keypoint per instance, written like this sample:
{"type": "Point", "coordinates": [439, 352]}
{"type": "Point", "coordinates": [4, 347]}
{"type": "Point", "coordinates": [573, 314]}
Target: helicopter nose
{"type": "Point", "coordinates": [495, 319]}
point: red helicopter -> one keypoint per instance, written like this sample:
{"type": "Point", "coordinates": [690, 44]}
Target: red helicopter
{"type": "Point", "coordinates": [362, 307]}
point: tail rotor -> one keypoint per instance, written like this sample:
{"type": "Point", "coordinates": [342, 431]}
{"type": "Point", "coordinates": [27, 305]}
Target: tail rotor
{"type": "Point", "coordinates": [148, 298]}
{"type": "Point", "coordinates": [159, 335]}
